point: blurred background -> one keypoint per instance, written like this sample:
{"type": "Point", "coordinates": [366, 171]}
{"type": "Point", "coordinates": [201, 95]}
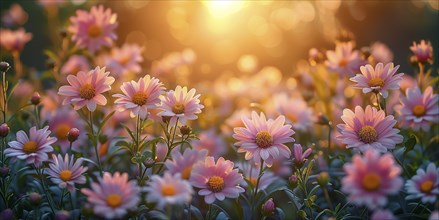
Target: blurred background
{"type": "Point", "coordinates": [229, 36]}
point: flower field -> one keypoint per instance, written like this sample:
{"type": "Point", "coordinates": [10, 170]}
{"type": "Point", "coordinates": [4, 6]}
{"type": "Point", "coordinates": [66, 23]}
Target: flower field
{"type": "Point", "coordinates": [217, 110]}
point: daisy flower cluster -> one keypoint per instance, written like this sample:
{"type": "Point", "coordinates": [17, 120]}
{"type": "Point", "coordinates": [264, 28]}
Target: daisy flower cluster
{"type": "Point", "coordinates": [118, 127]}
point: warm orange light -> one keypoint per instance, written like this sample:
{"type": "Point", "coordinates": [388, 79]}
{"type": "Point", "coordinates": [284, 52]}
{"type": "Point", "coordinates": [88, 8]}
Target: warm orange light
{"type": "Point", "coordinates": [223, 8]}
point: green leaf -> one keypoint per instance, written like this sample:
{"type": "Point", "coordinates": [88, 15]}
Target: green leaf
{"type": "Point", "coordinates": [410, 144]}
{"type": "Point", "coordinates": [231, 208]}
{"type": "Point", "coordinates": [105, 121]}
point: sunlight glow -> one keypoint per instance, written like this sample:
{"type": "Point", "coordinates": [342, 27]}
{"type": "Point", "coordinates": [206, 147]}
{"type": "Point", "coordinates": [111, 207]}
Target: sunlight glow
{"type": "Point", "coordinates": [223, 8]}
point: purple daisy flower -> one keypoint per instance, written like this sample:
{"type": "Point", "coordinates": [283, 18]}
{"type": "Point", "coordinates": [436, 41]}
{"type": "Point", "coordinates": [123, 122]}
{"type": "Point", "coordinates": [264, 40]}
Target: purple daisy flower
{"type": "Point", "coordinates": [378, 80]}
{"type": "Point", "coordinates": [262, 139]}
{"type": "Point", "coordinates": [181, 104]}
{"type": "Point", "coordinates": [66, 172]}
{"type": "Point", "coordinates": [216, 180]}
{"type": "Point", "coordinates": [370, 178]}
{"type": "Point", "coordinates": [32, 148]}
{"type": "Point", "coordinates": [113, 196]}
{"type": "Point", "coordinates": [424, 185]}
{"type": "Point", "coordinates": [418, 110]}
{"type": "Point", "coordinates": [368, 129]}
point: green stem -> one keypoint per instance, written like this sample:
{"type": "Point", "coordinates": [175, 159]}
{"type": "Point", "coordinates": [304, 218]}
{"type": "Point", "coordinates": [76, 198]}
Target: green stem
{"type": "Point", "coordinates": [95, 140]}
{"type": "Point", "coordinates": [37, 116]}
{"type": "Point", "coordinates": [261, 168]}
{"type": "Point", "coordinates": [328, 199]}
{"type": "Point", "coordinates": [61, 201]}
{"type": "Point", "coordinates": [46, 189]}
{"type": "Point", "coordinates": [170, 143]}
{"type": "Point", "coordinates": [70, 148]}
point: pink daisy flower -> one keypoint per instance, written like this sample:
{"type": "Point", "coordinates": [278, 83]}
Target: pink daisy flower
{"type": "Point", "coordinates": [216, 180]}
{"type": "Point", "coordinates": [14, 40]}
{"type": "Point", "coordinates": [344, 60]}
{"type": "Point", "coordinates": [211, 141]}
{"type": "Point", "coordinates": [381, 53]}
{"type": "Point", "coordinates": [139, 96]}
{"type": "Point", "coordinates": [381, 214]}
{"type": "Point", "coordinates": [368, 129]}
{"type": "Point", "coordinates": [168, 190]}
{"type": "Point", "coordinates": [378, 80]}
{"type": "Point", "coordinates": [424, 185]}
{"type": "Point", "coordinates": [113, 196]}
{"type": "Point", "coordinates": [32, 148]}
{"type": "Point", "coordinates": [93, 29]}
{"type": "Point", "coordinates": [60, 122]}
{"type": "Point", "coordinates": [251, 174]}
{"type": "Point", "coordinates": [418, 110]}
{"type": "Point", "coordinates": [15, 15]}
{"type": "Point", "coordinates": [181, 104]}
{"type": "Point", "coordinates": [262, 139]}
{"type": "Point", "coordinates": [86, 89]}
{"type": "Point", "coordinates": [183, 163]}
{"type": "Point", "coordinates": [370, 178]}
{"type": "Point", "coordinates": [74, 64]}
{"type": "Point", "coordinates": [423, 51]}
{"type": "Point", "coordinates": [125, 60]}
{"type": "Point", "coordinates": [66, 172]}
{"type": "Point", "coordinates": [295, 110]}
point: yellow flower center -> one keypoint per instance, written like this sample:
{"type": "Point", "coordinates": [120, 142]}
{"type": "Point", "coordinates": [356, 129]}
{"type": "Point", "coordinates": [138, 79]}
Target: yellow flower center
{"type": "Point", "coordinates": [292, 118]}
{"type": "Point", "coordinates": [61, 131]}
{"type": "Point", "coordinates": [418, 110]}
{"type": "Point", "coordinates": [215, 183]}
{"type": "Point", "coordinates": [264, 139]}
{"type": "Point", "coordinates": [65, 175]}
{"type": "Point", "coordinates": [427, 186]}
{"type": "Point", "coordinates": [178, 108]}
{"type": "Point", "coordinates": [114, 200]}
{"type": "Point", "coordinates": [253, 181]}
{"type": "Point", "coordinates": [376, 82]}
{"type": "Point", "coordinates": [343, 63]}
{"type": "Point", "coordinates": [94, 31]}
{"type": "Point", "coordinates": [87, 92]}
{"type": "Point", "coordinates": [30, 147]}
{"type": "Point", "coordinates": [186, 173]}
{"type": "Point", "coordinates": [371, 182]}
{"type": "Point", "coordinates": [168, 190]}
{"type": "Point", "coordinates": [140, 98]}
{"type": "Point", "coordinates": [124, 60]}
{"type": "Point", "coordinates": [368, 134]}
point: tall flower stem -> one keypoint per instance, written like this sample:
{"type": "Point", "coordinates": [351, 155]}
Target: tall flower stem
{"type": "Point", "coordinates": [170, 142]}
{"type": "Point", "coordinates": [261, 168]}
{"type": "Point", "coordinates": [95, 142]}
{"type": "Point", "coordinates": [37, 116]}
{"type": "Point", "coordinates": [421, 75]}
{"type": "Point", "coordinates": [46, 189]}
{"type": "Point", "coordinates": [18, 66]}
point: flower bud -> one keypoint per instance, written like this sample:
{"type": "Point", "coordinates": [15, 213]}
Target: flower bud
{"type": "Point", "coordinates": [73, 134]}
{"type": "Point", "coordinates": [323, 179]}
{"type": "Point", "coordinates": [293, 181]}
{"type": "Point", "coordinates": [322, 119]}
{"type": "Point", "coordinates": [6, 214]}
{"type": "Point", "coordinates": [166, 119]}
{"type": "Point", "coordinates": [268, 207]}
{"type": "Point", "coordinates": [36, 98]}
{"type": "Point", "coordinates": [4, 66]}
{"type": "Point", "coordinates": [35, 198]}
{"type": "Point", "coordinates": [4, 171]}
{"type": "Point", "coordinates": [62, 215]}
{"type": "Point", "coordinates": [4, 130]}
{"type": "Point", "coordinates": [63, 33]}
{"type": "Point", "coordinates": [161, 151]}
{"type": "Point", "coordinates": [185, 130]}
{"type": "Point", "coordinates": [302, 214]}
{"type": "Point", "coordinates": [149, 162]}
